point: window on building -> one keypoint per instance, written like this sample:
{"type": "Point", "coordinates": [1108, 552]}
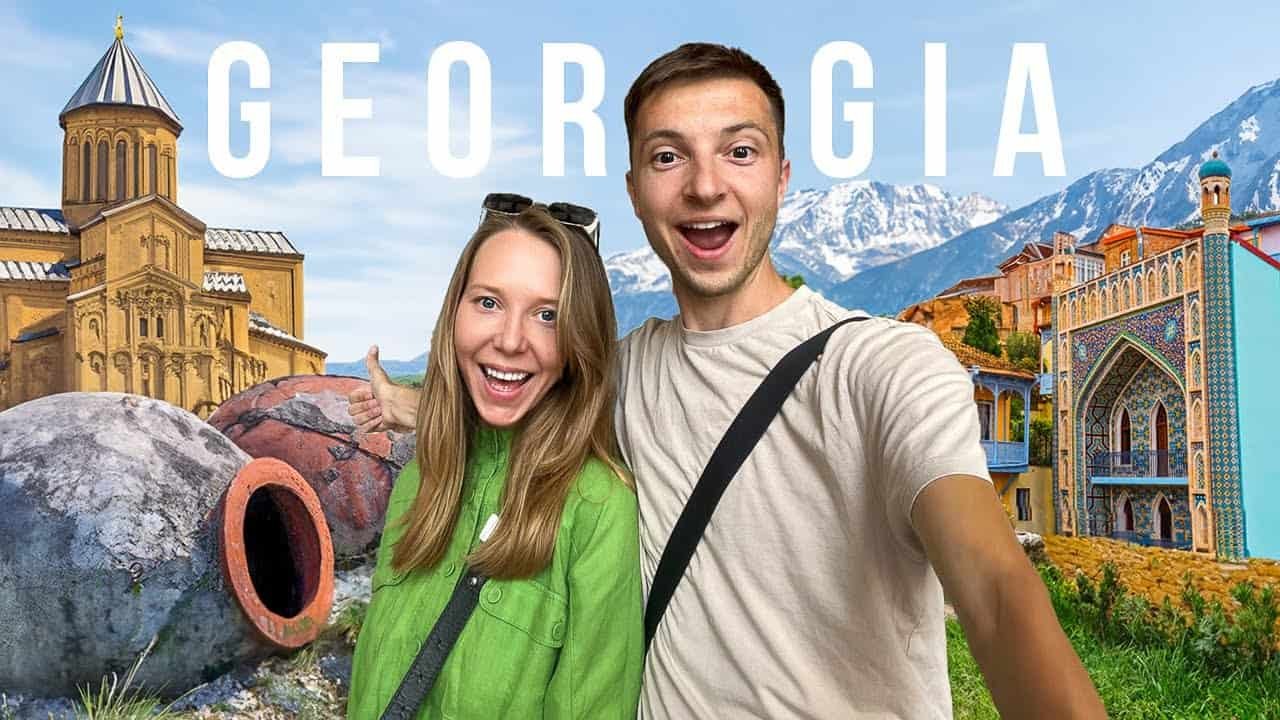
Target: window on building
{"type": "Point", "coordinates": [169, 173]}
{"type": "Point", "coordinates": [86, 172]}
{"type": "Point", "coordinates": [103, 157]}
{"type": "Point", "coordinates": [137, 170]}
{"type": "Point", "coordinates": [152, 180]}
{"type": "Point", "coordinates": [1124, 258]}
{"type": "Point", "coordinates": [159, 327]}
{"type": "Point", "coordinates": [142, 327]}
{"type": "Point", "coordinates": [1024, 504]}
{"type": "Point", "coordinates": [984, 418]}
{"type": "Point", "coordinates": [122, 166]}
{"type": "Point", "coordinates": [1124, 438]}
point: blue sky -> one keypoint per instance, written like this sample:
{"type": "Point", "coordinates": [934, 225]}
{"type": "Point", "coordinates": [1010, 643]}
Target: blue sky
{"type": "Point", "coordinates": [1130, 79]}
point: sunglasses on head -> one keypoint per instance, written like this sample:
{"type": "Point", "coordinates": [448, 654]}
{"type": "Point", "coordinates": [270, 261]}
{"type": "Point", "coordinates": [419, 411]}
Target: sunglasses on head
{"type": "Point", "coordinates": [567, 214]}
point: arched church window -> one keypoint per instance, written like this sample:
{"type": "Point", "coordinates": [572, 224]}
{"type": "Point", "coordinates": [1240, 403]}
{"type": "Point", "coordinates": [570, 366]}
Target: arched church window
{"type": "Point", "coordinates": [142, 327]}
{"type": "Point", "coordinates": [103, 159]}
{"type": "Point", "coordinates": [86, 172]}
{"type": "Point", "coordinates": [122, 168]}
{"type": "Point", "coordinates": [137, 170]}
{"type": "Point", "coordinates": [159, 326]}
{"type": "Point", "coordinates": [152, 181]}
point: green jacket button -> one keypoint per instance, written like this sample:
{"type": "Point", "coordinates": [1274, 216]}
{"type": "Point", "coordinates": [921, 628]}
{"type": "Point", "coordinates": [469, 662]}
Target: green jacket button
{"type": "Point", "coordinates": [493, 594]}
{"type": "Point", "coordinates": [450, 569]}
{"type": "Point", "coordinates": [557, 631]}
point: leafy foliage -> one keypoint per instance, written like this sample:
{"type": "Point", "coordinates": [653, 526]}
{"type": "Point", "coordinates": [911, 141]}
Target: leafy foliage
{"type": "Point", "coordinates": [1041, 442]}
{"type": "Point", "coordinates": [981, 332]}
{"type": "Point", "coordinates": [1023, 350]}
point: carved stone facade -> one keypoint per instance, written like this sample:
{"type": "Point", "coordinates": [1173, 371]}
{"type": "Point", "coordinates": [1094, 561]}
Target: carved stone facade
{"type": "Point", "coordinates": [122, 290]}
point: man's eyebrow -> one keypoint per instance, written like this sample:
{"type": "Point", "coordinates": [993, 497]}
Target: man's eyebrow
{"type": "Point", "coordinates": [662, 134]}
{"type": "Point", "coordinates": [748, 125]}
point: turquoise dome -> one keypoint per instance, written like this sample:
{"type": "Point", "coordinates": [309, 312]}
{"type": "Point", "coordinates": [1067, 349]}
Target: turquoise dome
{"type": "Point", "coordinates": [1214, 168]}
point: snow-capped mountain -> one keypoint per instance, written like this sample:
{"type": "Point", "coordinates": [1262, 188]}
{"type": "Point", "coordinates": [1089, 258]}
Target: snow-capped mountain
{"type": "Point", "coordinates": [1164, 193]}
{"type": "Point", "coordinates": [828, 236]}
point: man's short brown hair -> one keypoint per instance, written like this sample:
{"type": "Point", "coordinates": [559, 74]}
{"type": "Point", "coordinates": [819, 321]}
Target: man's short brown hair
{"type": "Point", "coordinates": [703, 61]}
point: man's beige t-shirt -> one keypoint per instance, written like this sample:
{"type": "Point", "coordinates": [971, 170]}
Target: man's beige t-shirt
{"type": "Point", "coordinates": [809, 595]}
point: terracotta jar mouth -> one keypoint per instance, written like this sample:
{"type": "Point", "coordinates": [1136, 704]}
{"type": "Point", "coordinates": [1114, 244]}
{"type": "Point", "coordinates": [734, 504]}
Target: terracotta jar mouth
{"type": "Point", "coordinates": [276, 552]}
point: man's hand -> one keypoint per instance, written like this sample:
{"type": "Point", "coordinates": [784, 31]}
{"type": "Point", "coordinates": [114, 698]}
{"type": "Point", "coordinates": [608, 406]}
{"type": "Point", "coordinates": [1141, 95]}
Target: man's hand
{"type": "Point", "coordinates": [384, 405]}
{"type": "Point", "coordinates": [1029, 665]}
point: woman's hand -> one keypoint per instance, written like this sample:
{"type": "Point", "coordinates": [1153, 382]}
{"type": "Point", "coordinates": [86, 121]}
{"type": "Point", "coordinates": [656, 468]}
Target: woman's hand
{"type": "Point", "coordinates": [383, 405]}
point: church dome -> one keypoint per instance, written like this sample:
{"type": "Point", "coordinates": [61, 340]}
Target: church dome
{"type": "Point", "coordinates": [1214, 167]}
{"type": "Point", "coordinates": [119, 79]}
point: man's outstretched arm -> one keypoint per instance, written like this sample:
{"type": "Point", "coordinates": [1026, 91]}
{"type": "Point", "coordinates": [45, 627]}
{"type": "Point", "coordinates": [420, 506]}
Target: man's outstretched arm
{"type": "Point", "coordinates": [1029, 665]}
{"type": "Point", "coordinates": [384, 405]}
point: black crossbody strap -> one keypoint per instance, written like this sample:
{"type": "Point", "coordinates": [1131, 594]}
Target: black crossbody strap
{"type": "Point", "coordinates": [444, 635]}
{"type": "Point", "coordinates": [738, 441]}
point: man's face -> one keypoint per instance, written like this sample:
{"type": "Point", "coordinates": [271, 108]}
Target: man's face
{"type": "Point", "coordinates": [706, 180]}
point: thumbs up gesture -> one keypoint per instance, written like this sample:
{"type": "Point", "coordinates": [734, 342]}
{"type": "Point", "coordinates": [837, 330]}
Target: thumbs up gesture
{"type": "Point", "coordinates": [384, 405]}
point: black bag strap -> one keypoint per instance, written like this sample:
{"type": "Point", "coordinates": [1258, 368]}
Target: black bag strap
{"type": "Point", "coordinates": [444, 635]}
{"type": "Point", "coordinates": [738, 442]}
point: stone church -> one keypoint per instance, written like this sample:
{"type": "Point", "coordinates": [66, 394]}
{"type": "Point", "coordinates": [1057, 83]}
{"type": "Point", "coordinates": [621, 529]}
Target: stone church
{"type": "Point", "coordinates": [121, 289]}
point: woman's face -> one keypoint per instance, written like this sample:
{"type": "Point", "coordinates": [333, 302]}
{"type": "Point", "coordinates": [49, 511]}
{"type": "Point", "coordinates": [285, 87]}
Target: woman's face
{"type": "Point", "coordinates": [505, 334]}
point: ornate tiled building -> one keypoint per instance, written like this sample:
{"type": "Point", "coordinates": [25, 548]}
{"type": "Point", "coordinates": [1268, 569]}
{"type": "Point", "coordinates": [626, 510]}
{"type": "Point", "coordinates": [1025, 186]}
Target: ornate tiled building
{"type": "Point", "coordinates": [121, 289]}
{"type": "Point", "coordinates": [1157, 442]}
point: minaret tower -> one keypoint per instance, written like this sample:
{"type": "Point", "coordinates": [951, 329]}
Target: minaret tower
{"type": "Point", "coordinates": [120, 137]}
{"type": "Point", "coordinates": [1215, 196]}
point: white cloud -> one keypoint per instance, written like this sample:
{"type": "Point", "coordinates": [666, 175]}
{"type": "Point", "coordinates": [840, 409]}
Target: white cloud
{"type": "Point", "coordinates": [180, 45]}
{"type": "Point", "coordinates": [23, 189]}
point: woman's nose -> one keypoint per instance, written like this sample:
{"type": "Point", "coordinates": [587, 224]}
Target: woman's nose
{"type": "Point", "coordinates": [511, 335]}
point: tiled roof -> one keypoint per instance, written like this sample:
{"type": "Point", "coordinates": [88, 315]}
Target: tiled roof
{"type": "Point", "coordinates": [258, 323]}
{"type": "Point", "coordinates": [33, 271]}
{"type": "Point", "coordinates": [33, 219]}
{"type": "Point", "coordinates": [224, 282]}
{"type": "Point", "coordinates": [229, 239]}
{"type": "Point", "coordinates": [118, 79]}
{"type": "Point", "coordinates": [970, 356]}
{"type": "Point", "coordinates": [259, 241]}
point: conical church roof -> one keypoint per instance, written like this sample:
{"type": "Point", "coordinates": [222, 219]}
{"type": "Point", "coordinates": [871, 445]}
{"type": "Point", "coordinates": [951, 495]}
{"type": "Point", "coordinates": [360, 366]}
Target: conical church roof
{"type": "Point", "coordinates": [119, 79]}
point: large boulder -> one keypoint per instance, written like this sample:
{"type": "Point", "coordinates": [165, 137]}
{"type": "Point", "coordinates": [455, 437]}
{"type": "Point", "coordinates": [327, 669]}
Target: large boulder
{"type": "Point", "coordinates": [303, 420]}
{"type": "Point", "coordinates": [124, 519]}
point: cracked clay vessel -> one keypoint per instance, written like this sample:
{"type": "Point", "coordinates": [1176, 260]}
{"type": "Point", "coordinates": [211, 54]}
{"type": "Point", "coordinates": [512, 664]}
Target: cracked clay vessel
{"type": "Point", "coordinates": [124, 518]}
{"type": "Point", "coordinates": [303, 420]}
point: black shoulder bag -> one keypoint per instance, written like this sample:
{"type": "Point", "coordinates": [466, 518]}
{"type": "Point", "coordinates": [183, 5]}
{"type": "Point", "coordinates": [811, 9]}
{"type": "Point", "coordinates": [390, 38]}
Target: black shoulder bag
{"type": "Point", "coordinates": [738, 442]}
{"type": "Point", "coordinates": [444, 635]}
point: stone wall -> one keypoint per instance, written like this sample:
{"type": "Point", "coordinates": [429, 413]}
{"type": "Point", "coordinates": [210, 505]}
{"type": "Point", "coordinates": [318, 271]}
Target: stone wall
{"type": "Point", "coordinates": [1156, 572]}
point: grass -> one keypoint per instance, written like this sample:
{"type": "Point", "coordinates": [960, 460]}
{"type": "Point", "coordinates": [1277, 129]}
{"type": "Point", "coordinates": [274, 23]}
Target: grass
{"type": "Point", "coordinates": [119, 700]}
{"type": "Point", "coordinates": [1134, 682]}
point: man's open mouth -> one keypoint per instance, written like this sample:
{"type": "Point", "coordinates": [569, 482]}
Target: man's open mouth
{"type": "Point", "coordinates": [708, 236]}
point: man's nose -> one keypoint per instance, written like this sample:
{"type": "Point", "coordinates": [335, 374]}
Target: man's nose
{"type": "Point", "coordinates": [704, 184]}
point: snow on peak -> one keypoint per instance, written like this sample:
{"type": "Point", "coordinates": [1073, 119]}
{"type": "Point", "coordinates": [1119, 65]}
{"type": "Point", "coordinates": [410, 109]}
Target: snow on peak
{"type": "Point", "coordinates": [1249, 129]}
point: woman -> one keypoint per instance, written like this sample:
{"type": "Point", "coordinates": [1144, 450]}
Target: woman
{"type": "Point", "coordinates": [514, 422]}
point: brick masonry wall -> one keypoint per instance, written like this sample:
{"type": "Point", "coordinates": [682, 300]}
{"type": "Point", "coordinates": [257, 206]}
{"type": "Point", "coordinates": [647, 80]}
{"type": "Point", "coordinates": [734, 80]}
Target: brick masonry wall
{"type": "Point", "coordinates": [1156, 572]}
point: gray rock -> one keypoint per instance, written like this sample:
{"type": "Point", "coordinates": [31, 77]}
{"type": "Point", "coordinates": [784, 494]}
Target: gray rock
{"type": "Point", "coordinates": [107, 539]}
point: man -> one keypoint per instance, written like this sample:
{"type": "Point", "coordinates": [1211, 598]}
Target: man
{"type": "Point", "coordinates": [815, 590]}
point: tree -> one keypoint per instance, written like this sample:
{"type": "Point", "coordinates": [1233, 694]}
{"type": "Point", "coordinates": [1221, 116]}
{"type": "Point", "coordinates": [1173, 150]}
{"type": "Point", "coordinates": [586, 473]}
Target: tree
{"type": "Point", "coordinates": [795, 281]}
{"type": "Point", "coordinates": [981, 331]}
{"type": "Point", "coordinates": [1023, 350]}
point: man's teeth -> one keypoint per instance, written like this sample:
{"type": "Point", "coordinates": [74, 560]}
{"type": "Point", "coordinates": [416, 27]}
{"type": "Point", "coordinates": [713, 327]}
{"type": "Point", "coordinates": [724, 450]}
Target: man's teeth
{"type": "Point", "coordinates": [506, 376]}
{"type": "Point", "coordinates": [706, 225]}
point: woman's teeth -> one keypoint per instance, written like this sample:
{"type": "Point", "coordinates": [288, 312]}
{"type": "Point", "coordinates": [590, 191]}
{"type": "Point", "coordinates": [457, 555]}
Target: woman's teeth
{"type": "Point", "coordinates": [510, 377]}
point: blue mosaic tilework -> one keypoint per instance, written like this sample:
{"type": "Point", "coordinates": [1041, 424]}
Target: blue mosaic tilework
{"type": "Point", "coordinates": [1143, 499]}
{"type": "Point", "coordinates": [1220, 365]}
{"type": "Point", "coordinates": [1151, 329]}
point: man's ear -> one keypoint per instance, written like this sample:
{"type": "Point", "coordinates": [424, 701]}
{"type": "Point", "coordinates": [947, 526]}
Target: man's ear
{"type": "Point", "coordinates": [784, 177]}
{"type": "Point", "coordinates": [631, 193]}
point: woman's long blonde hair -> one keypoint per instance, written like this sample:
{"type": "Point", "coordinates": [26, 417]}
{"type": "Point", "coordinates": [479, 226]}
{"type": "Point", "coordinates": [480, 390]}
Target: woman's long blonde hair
{"type": "Point", "coordinates": [572, 423]}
